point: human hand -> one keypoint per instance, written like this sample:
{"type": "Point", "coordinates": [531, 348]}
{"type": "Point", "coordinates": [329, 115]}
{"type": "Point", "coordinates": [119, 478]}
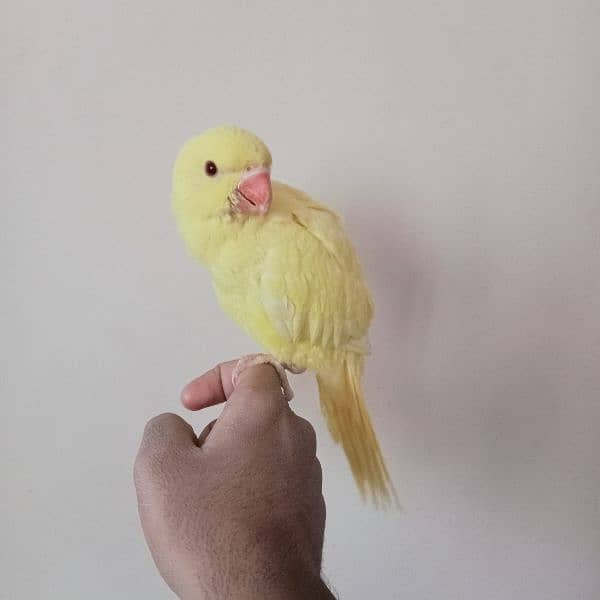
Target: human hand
{"type": "Point", "coordinates": [237, 512]}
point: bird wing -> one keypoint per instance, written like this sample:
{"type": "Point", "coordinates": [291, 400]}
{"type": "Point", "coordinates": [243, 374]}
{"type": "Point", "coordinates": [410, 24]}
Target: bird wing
{"type": "Point", "coordinates": [311, 287]}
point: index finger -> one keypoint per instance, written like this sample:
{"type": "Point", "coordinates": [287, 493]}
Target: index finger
{"type": "Point", "coordinates": [214, 387]}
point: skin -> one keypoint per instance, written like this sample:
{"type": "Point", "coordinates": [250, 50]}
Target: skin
{"type": "Point", "coordinates": [236, 512]}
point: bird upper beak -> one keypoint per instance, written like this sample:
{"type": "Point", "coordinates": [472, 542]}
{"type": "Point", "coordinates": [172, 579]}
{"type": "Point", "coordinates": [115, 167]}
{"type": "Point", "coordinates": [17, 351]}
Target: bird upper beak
{"type": "Point", "coordinates": [255, 191]}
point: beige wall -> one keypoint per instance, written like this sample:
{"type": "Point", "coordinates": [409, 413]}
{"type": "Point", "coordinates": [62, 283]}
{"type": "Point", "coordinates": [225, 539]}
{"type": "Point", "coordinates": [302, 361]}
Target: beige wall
{"type": "Point", "coordinates": [461, 142]}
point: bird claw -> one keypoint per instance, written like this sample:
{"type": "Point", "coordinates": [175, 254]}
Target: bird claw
{"type": "Point", "coordinates": [261, 359]}
{"type": "Point", "coordinates": [293, 368]}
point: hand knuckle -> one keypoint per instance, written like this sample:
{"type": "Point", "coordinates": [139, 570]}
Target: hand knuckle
{"type": "Point", "coordinates": [317, 471]}
{"type": "Point", "coordinates": [149, 459]}
{"type": "Point", "coordinates": [155, 449]}
{"type": "Point", "coordinates": [158, 424]}
{"type": "Point", "coordinates": [139, 470]}
{"type": "Point", "coordinates": [308, 431]}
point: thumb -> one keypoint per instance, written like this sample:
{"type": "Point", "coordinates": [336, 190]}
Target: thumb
{"type": "Point", "coordinates": [260, 380]}
{"type": "Point", "coordinates": [254, 405]}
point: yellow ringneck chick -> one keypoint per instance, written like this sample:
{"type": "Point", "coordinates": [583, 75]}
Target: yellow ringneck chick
{"type": "Point", "coordinates": [285, 271]}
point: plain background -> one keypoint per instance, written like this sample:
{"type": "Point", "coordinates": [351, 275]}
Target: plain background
{"type": "Point", "coordinates": [461, 142]}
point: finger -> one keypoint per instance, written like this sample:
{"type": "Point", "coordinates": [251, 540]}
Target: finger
{"type": "Point", "coordinates": [206, 432]}
{"type": "Point", "coordinates": [209, 389]}
{"type": "Point", "coordinates": [254, 405]}
{"type": "Point", "coordinates": [166, 433]}
{"type": "Point", "coordinates": [259, 384]}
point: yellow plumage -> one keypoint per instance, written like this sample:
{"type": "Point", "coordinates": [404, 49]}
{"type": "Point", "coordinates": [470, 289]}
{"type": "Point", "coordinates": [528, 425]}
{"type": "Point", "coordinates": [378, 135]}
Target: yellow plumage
{"type": "Point", "coordinates": [290, 278]}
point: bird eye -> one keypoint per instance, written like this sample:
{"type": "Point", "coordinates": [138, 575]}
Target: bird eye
{"type": "Point", "coordinates": [210, 168]}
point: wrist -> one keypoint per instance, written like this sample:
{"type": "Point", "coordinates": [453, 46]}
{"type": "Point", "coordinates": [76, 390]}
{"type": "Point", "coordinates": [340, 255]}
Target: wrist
{"type": "Point", "coordinates": [262, 574]}
{"type": "Point", "coordinates": [287, 568]}
{"type": "Point", "coordinates": [285, 586]}
{"type": "Point", "coordinates": [295, 582]}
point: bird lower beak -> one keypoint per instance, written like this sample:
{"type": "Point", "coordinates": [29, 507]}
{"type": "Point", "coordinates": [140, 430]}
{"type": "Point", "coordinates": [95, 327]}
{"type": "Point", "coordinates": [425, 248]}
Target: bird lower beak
{"type": "Point", "coordinates": [255, 191]}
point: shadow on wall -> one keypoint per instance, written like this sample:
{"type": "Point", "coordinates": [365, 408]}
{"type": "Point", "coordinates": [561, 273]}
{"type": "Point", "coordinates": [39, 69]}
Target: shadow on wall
{"type": "Point", "coordinates": [400, 270]}
{"type": "Point", "coordinates": [473, 381]}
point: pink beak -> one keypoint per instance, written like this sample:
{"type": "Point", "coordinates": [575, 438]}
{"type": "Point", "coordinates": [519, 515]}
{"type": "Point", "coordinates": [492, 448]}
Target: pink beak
{"type": "Point", "coordinates": [255, 188]}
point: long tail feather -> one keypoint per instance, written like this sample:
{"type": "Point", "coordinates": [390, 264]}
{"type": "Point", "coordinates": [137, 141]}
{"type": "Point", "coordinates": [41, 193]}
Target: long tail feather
{"type": "Point", "coordinates": [343, 405]}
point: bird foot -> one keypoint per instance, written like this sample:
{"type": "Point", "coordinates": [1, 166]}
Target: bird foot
{"type": "Point", "coordinates": [293, 368]}
{"type": "Point", "coordinates": [261, 359]}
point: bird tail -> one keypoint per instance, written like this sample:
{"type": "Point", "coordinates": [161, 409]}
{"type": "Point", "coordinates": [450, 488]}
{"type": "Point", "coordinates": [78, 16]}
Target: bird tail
{"type": "Point", "coordinates": [347, 416]}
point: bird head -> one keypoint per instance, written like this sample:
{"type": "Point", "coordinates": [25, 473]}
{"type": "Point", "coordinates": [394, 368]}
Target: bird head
{"type": "Point", "coordinates": [223, 170]}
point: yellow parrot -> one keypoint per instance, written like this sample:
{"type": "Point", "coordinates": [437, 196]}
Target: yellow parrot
{"type": "Point", "coordinates": [285, 271]}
